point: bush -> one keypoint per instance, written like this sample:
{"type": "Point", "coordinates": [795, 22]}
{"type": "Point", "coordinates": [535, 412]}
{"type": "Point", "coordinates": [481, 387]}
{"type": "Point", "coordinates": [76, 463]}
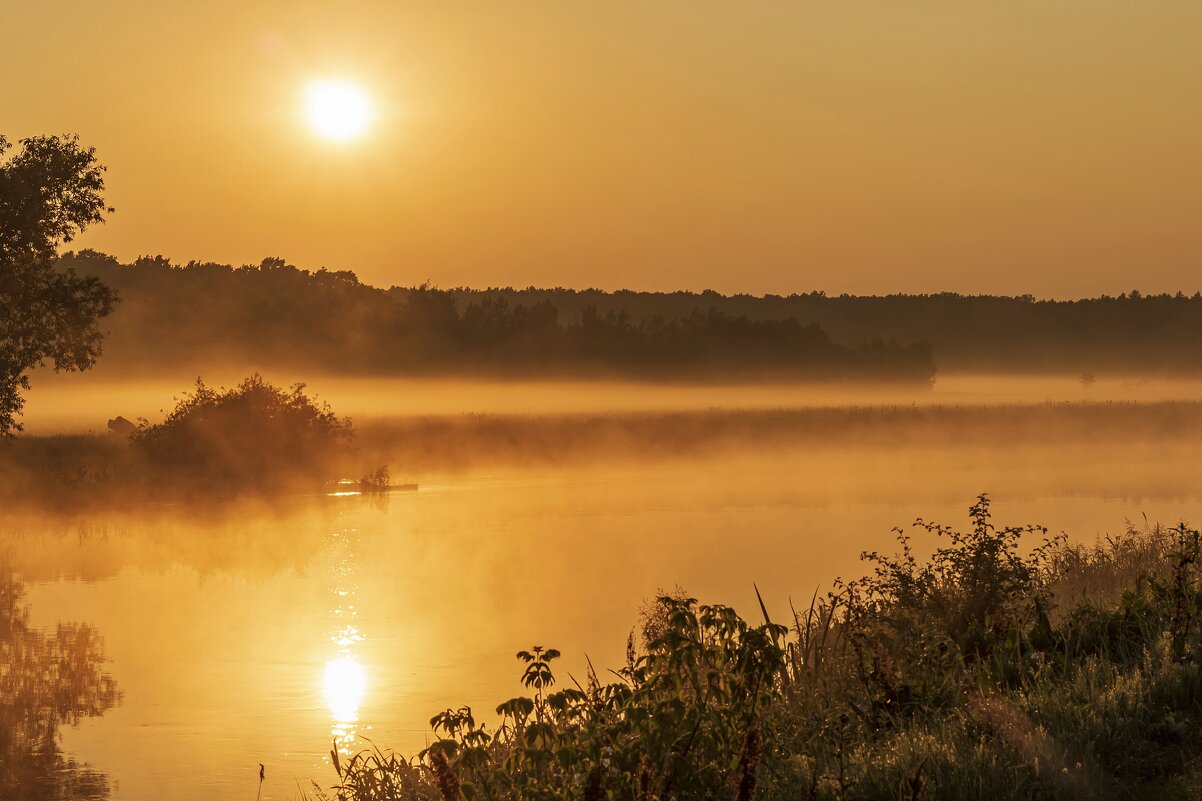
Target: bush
{"type": "Point", "coordinates": [254, 435]}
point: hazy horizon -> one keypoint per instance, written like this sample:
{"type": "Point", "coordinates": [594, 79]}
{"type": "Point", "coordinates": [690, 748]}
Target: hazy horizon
{"type": "Point", "coordinates": [1042, 148]}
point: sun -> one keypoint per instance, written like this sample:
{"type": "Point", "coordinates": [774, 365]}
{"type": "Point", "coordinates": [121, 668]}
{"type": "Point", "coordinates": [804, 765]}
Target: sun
{"type": "Point", "coordinates": [337, 109]}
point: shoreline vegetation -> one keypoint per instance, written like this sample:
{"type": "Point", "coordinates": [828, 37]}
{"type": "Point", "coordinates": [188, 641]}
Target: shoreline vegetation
{"type": "Point", "coordinates": [1001, 668]}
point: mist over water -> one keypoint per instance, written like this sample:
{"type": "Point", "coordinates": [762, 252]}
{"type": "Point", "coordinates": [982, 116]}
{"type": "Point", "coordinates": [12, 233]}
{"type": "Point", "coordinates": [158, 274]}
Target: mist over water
{"type": "Point", "coordinates": [80, 403]}
{"type": "Point", "coordinates": [263, 632]}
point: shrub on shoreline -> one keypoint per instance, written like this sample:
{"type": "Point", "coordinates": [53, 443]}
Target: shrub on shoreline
{"type": "Point", "coordinates": [254, 435]}
{"type": "Point", "coordinates": [253, 439]}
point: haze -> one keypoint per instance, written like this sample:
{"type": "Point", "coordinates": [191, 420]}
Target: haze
{"type": "Point", "coordinates": [1031, 147]}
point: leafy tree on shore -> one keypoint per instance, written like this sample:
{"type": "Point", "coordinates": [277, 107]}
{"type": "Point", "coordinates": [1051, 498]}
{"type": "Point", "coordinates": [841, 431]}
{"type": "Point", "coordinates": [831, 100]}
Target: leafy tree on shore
{"type": "Point", "coordinates": [50, 191]}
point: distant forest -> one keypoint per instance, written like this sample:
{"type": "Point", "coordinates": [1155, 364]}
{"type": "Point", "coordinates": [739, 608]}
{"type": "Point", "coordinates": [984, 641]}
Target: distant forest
{"type": "Point", "coordinates": [276, 314]}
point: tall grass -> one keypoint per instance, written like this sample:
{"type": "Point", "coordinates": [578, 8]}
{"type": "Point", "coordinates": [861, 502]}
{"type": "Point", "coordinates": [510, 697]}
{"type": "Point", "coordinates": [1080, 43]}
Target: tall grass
{"type": "Point", "coordinates": [992, 670]}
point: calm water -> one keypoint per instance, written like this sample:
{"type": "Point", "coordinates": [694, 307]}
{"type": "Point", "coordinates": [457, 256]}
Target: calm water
{"type": "Point", "coordinates": [245, 636]}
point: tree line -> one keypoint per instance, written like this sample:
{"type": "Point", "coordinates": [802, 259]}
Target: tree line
{"type": "Point", "coordinates": [274, 313]}
{"type": "Point", "coordinates": [1131, 332]}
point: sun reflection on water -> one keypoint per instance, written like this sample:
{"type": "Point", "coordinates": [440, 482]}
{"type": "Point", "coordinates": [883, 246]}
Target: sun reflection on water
{"type": "Point", "coordinates": [345, 683]}
{"type": "Point", "coordinates": [345, 680]}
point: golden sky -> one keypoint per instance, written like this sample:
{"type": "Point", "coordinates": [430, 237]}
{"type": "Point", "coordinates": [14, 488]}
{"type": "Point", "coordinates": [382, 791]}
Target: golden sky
{"type": "Point", "coordinates": [1051, 147]}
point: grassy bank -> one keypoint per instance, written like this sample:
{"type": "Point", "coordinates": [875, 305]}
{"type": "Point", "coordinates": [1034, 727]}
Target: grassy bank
{"type": "Point", "coordinates": [1008, 666]}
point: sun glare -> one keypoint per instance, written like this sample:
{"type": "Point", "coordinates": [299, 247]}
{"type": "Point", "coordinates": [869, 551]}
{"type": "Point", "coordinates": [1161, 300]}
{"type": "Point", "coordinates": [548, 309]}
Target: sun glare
{"type": "Point", "coordinates": [344, 686]}
{"type": "Point", "coordinates": [337, 109]}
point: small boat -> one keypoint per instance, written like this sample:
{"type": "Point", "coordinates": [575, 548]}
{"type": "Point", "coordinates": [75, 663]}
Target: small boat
{"type": "Point", "coordinates": [347, 487]}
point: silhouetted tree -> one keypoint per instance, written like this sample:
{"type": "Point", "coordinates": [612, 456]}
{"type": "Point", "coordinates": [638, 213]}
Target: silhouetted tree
{"type": "Point", "coordinates": [49, 192]}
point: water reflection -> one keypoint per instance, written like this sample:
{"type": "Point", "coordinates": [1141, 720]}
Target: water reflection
{"type": "Point", "coordinates": [344, 686]}
{"type": "Point", "coordinates": [345, 680]}
{"type": "Point", "coordinates": [46, 680]}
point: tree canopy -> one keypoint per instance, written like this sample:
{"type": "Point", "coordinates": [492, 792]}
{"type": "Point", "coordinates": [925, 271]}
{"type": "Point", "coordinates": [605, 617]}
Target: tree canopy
{"type": "Point", "coordinates": [51, 189]}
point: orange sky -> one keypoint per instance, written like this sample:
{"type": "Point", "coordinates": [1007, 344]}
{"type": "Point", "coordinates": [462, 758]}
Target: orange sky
{"type": "Point", "coordinates": [1050, 147]}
